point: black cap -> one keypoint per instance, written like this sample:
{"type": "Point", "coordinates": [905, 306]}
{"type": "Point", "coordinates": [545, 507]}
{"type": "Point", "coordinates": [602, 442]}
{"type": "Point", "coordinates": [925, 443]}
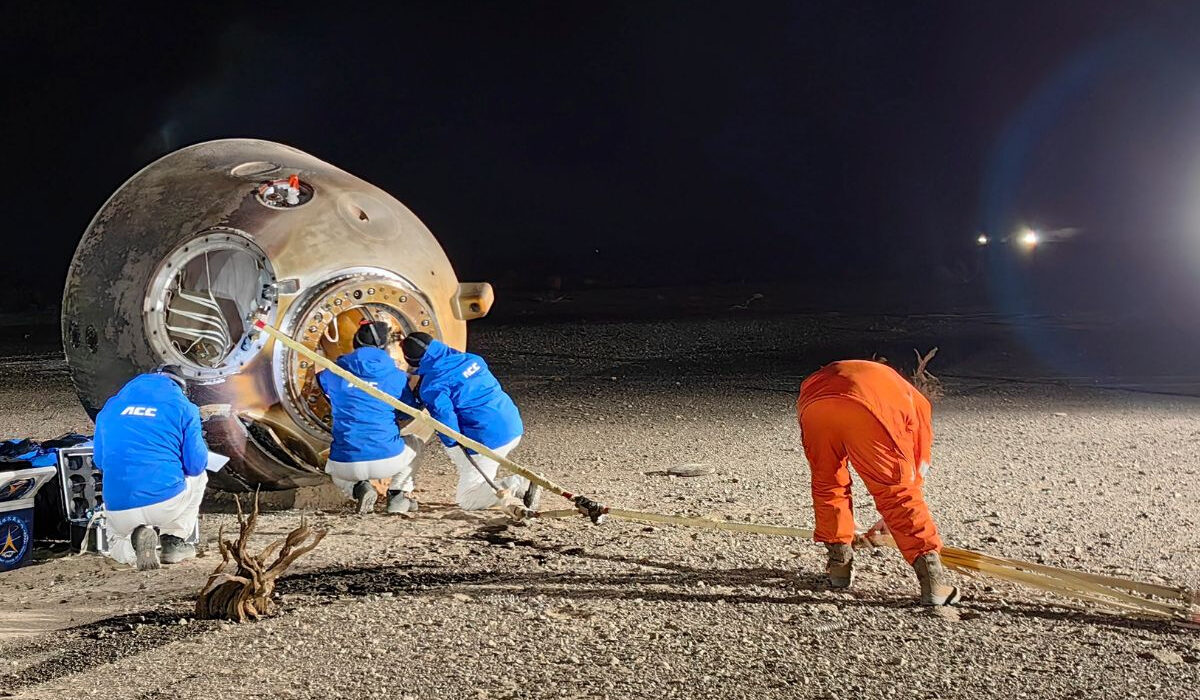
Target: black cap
{"type": "Point", "coordinates": [415, 345]}
{"type": "Point", "coordinates": [174, 373]}
{"type": "Point", "coordinates": [374, 335]}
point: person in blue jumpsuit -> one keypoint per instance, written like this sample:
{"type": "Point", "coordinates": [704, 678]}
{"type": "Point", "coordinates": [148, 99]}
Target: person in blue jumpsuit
{"type": "Point", "coordinates": [366, 437]}
{"type": "Point", "coordinates": [150, 448]}
{"type": "Point", "coordinates": [459, 390]}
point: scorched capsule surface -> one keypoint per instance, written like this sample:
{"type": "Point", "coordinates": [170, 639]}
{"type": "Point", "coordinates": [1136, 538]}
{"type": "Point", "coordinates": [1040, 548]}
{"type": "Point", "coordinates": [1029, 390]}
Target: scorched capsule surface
{"type": "Point", "coordinates": [182, 256]}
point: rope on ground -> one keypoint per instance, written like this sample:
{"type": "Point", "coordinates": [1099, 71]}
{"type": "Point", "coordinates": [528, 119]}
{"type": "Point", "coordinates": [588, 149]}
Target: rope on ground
{"type": "Point", "coordinates": [690, 521]}
{"type": "Point", "coordinates": [1110, 591]}
{"type": "Point", "coordinates": [1114, 592]}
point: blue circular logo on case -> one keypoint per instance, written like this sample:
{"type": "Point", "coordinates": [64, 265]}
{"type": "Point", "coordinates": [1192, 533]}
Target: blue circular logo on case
{"type": "Point", "coordinates": [14, 539]}
{"type": "Point", "coordinates": [18, 488]}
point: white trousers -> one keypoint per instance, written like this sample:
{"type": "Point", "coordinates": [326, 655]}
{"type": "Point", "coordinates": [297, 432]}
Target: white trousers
{"type": "Point", "coordinates": [473, 490]}
{"type": "Point", "coordinates": [400, 469]}
{"type": "Point", "coordinates": [178, 516]}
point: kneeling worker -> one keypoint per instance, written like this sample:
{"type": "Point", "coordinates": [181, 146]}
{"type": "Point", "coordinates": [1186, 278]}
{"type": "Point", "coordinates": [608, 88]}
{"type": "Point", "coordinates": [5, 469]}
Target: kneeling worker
{"type": "Point", "coordinates": [460, 391]}
{"type": "Point", "coordinates": [366, 439]}
{"type": "Point", "coordinates": [150, 448]}
{"type": "Point", "coordinates": [865, 413]}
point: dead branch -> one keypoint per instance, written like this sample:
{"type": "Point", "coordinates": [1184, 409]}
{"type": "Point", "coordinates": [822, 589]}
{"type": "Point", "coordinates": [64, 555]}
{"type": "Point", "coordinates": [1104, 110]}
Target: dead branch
{"type": "Point", "coordinates": [245, 593]}
{"type": "Point", "coordinates": [925, 382]}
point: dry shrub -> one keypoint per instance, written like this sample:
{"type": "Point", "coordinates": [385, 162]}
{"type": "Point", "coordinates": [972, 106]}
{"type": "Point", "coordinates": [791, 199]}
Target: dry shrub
{"type": "Point", "coordinates": [246, 593]}
{"type": "Point", "coordinates": [925, 382]}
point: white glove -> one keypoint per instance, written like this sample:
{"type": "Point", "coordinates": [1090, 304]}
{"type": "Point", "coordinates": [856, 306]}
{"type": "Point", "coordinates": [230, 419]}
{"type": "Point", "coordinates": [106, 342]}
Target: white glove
{"type": "Point", "coordinates": [420, 427]}
{"type": "Point", "coordinates": [215, 409]}
{"type": "Point", "coordinates": [879, 529]}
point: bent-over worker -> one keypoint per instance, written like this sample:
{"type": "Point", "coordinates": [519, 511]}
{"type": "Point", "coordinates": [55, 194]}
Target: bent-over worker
{"type": "Point", "coordinates": [366, 438]}
{"type": "Point", "coordinates": [150, 448]}
{"type": "Point", "coordinates": [863, 413]}
{"type": "Point", "coordinates": [460, 391]}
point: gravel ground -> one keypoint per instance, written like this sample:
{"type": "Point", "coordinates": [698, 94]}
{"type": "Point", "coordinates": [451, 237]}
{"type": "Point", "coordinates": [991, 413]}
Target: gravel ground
{"type": "Point", "coordinates": [451, 605]}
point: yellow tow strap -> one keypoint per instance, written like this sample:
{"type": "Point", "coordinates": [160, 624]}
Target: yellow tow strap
{"type": "Point", "coordinates": [1155, 601]}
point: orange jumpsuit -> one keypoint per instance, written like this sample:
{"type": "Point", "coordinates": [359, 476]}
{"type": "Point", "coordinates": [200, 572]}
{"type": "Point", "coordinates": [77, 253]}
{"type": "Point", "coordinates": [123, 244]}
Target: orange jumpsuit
{"type": "Point", "coordinates": [864, 413]}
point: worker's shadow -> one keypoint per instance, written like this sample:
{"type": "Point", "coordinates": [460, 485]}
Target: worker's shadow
{"type": "Point", "coordinates": [675, 583]}
{"type": "Point", "coordinates": [651, 580]}
{"type": "Point", "coordinates": [664, 582]}
{"type": "Point", "coordinates": [78, 649]}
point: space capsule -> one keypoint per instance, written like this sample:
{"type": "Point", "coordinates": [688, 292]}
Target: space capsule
{"type": "Point", "coordinates": [182, 256]}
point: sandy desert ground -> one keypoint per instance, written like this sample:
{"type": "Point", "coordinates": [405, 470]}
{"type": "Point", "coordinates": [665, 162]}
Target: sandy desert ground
{"type": "Point", "coordinates": [1029, 461]}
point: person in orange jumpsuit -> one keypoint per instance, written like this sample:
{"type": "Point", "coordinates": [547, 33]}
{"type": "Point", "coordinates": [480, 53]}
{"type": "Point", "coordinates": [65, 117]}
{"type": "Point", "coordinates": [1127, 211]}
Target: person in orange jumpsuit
{"type": "Point", "coordinates": [863, 413]}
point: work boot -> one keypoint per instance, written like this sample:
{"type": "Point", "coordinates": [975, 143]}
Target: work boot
{"type": "Point", "coordinates": [935, 583]}
{"type": "Point", "coordinates": [145, 546]}
{"type": "Point", "coordinates": [840, 566]}
{"type": "Point", "coordinates": [401, 502]}
{"type": "Point", "coordinates": [366, 495]}
{"type": "Point", "coordinates": [175, 550]}
{"type": "Point", "coordinates": [533, 497]}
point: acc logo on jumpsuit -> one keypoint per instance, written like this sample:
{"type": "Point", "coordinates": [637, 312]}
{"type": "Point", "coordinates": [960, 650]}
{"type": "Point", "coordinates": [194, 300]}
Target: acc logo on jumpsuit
{"type": "Point", "coordinates": [14, 538]}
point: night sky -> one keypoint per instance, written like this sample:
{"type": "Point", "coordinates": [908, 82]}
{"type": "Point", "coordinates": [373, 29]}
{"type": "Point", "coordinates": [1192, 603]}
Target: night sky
{"type": "Point", "coordinates": [842, 144]}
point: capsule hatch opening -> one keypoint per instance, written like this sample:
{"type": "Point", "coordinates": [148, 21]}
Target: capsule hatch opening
{"type": "Point", "coordinates": [200, 300]}
{"type": "Point", "coordinates": [337, 339]}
